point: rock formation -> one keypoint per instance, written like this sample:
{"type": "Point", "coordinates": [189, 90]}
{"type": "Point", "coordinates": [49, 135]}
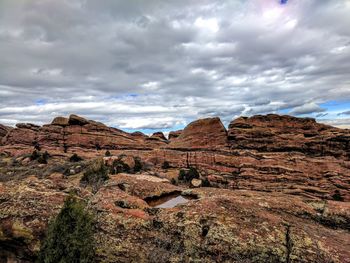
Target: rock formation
{"type": "Point", "coordinates": [174, 134]}
{"type": "Point", "coordinates": [4, 130]}
{"type": "Point", "coordinates": [279, 190]}
{"type": "Point", "coordinates": [275, 133]}
{"type": "Point", "coordinates": [207, 133]}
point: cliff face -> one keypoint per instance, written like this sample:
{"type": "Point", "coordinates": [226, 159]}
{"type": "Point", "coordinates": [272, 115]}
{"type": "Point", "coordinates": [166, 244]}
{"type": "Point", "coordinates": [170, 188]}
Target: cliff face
{"type": "Point", "coordinates": [4, 130]}
{"type": "Point", "coordinates": [74, 133]}
{"type": "Point", "coordinates": [275, 133]}
{"type": "Point", "coordinates": [279, 190]}
{"type": "Point", "coordinates": [266, 153]}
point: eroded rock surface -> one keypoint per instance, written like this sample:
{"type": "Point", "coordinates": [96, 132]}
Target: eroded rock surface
{"type": "Point", "coordinates": [3, 131]}
{"type": "Point", "coordinates": [219, 226]}
{"type": "Point", "coordinates": [275, 133]}
{"type": "Point", "coordinates": [279, 190]}
{"type": "Point", "coordinates": [207, 133]}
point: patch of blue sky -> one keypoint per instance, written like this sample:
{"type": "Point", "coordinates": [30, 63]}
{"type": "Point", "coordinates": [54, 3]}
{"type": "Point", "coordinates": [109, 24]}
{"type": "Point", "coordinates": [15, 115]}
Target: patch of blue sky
{"type": "Point", "coordinates": [151, 131]}
{"type": "Point", "coordinates": [334, 109]}
{"type": "Point", "coordinates": [126, 96]}
{"type": "Point", "coordinates": [284, 111]}
{"type": "Point", "coordinates": [336, 106]}
{"type": "Point", "coordinates": [40, 102]}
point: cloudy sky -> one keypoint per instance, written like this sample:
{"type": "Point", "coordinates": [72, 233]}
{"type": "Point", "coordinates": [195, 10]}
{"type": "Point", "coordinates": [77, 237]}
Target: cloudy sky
{"type": "Point", "coordinates": [158, 64]}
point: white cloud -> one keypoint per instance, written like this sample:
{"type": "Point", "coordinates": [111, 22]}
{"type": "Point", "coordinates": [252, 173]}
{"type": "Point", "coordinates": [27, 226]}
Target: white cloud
{"type": "Point", "coordinates": [210, 24]}
{"type": "Point", "coordinates": [130, 62]}
{"type": "Point", "coordinates": [307, 109]}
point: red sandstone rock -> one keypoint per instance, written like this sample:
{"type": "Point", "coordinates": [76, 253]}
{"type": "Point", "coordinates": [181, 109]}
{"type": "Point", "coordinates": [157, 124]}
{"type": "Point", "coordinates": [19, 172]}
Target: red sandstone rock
{"type": "Point", "coordinates": [158, 135]}
{"type": "Point", "coordinates": [4, 130]}
{"type": "Point", "coordinates": [287, 191]}
{"type": "Point", "coordinates": [268, 153]}
{"type": "Point", "coordinates": [60, 121]}
{"type": "Point", "coordinates": [27, 126]}
{"type": "Point", "coordinates": [207, 133]}
{"type": "Point", "coordinates": [275, 133]}
{"type": "Point", "coordinates": [174, 134]}
{"type": "Point", "coordinates": [139, 135]}
{"type": "Point", "coordinates": [77, 120]}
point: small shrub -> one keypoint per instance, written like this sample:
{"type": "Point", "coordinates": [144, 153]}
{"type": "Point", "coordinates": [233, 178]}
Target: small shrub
{"type": "Point", "coordinates": [43, 158]}
{"type": "Point", "coordinates": [98, 146]}
{"type": "Point", "coordinates": [37, 146]}
{"type": "Point", "coordinates": [108, 153]}
{"type": "Point", "coordinates": [138, 164]}
{"type": "Point", "coordinates": [173, 181]}
{"type": "Point", "coordinates": [65, 148]}
{"type": "Point", "coordinates": [119, 166]}
{"type": "Point", "coordinates": [337, 196]}
{"type": "Point", "coordinates": [75, 158]}
{"type": "Point", "coordinates": [182, 175]}
{"type": "Point", "coordinates": [188, 175]}
{"type": "Point", "coordinates": [35, 155]}
{"type": "Point", "coordinates": [193, 173]}
{"type": "Point", "coordinates": [206, 182]}
{"type": "Point", "coordinates": [165, 165]}
{"type": "Point", "coordinates": [95, 175]}
{"type": "Point", "coordinates": [70, 236]}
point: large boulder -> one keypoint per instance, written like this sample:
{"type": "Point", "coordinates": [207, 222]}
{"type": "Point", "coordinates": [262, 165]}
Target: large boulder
{"type": "Point", "coordinates": [60, 121]}
{"type": "Point", "coordinates": [159, 135]}
{"type": "Point", "coordinates": [77, 120]}
{"type": "Point", "coordinates": [207, 133]}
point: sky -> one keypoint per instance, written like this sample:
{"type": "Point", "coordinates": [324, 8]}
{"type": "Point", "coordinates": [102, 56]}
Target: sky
{"type": "Point", "coordinates": [160, 64]}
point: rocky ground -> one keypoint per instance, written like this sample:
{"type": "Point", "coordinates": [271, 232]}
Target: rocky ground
{"type": "Point", "coordinates": [270, 189]}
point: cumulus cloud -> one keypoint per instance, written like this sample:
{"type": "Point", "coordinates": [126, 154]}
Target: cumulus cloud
{"type": "Point", "coordinates": [307, 109]}
{"type": "Point", "coordinates": [345, 113]}
{"type": "Point", "coordinates": [160, 64]}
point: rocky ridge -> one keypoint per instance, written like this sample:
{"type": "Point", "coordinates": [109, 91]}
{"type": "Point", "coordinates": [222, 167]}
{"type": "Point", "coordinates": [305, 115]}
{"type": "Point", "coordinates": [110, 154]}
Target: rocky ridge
{"type": "Point", "coordinates": [279, 190]}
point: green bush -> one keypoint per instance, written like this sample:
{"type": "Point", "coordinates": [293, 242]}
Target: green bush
{"type": "Point", "coordinates": [95, 175]}
{"type": "Point", "coordinates": [40, 157]}
{"type": "Point", "coordinates": [138, 164]}
{"type": "Point", "coordinates": [337, 196]}
{"type": "Point", "coordinates": [206, 183]}
{"type": "Point", "coordinates": [173, 181]}
{"type": "Point", "coordinates": [118, 166]}
{"type": "Point", "coordinates": [69, 237]}
{"type": "Point", "coordinates": [75, 158]}
{"type": "Point", "coordinates": [165, 165]}
{"type": "Point", "coordinates": [108, 153]}
{"type": "Point", "coordinates": [37, 146]}
{"type": "Point", "coordinates": [35, 155]}
{"type": "Point", "coordinates": [188, 175]}
{"type": "Point", "coordinates": [43, 158]}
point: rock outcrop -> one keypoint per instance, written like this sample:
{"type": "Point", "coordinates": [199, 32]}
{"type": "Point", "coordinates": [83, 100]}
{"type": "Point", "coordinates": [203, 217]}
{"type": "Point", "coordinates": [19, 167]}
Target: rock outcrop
{"type": "Point", "coordinates": [4, 130]}
{"type": "Point", "coordinates": [174, 134]}
{"type": "Point", "coordinates": [279, 190]}
{"type": "Point", "coordinates": [60, 121]}
{"type": "Point", "coordinates": [275, 133]}
{"type": "Point", "coordinates": [207, 133]}
{"type": "Point", "coordinates": [159, 135]}
{"type": "Point", "coordinates": [297, 156]}
{"type": "Point", "coordinates": [74, 133]}
{"type": "Point", "coordinates": [220, 226]}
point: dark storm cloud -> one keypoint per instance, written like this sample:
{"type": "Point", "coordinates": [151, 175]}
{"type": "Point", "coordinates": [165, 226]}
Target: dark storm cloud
{"type": "Point", "coordinates": [143, 64]}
